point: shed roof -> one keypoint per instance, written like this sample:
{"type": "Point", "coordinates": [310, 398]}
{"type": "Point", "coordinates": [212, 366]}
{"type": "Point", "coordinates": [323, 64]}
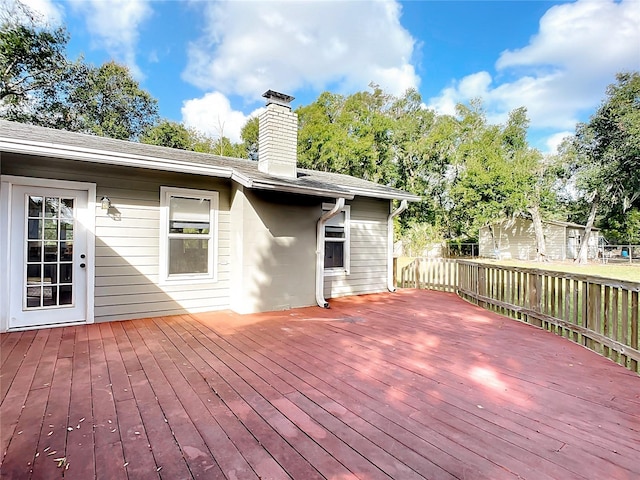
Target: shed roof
{"type": "Point", "coordinates": [41, 141]}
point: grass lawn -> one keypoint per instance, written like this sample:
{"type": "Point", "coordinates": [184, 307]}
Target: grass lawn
{"type": "Point", "coordinates": [620, 271]}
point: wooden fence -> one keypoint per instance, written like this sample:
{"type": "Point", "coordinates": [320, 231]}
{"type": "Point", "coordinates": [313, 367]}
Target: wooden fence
{"type": "Point", "coordinates": [601, 314]}
{"type": "Point", "coordinates": [430, 274]}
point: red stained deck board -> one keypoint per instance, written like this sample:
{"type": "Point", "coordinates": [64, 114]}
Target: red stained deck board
{"type": "Point", "coordinates": [22, 368]}
{"type": "Point", "coordinates": [294, 415]}
{"type": "Point", "coordinates": [378, 383]}
{"type": "Point", "coordinates": [328, 365]}
{"type": "Point", "coordinates": [178, 400]}
{"type": "Point", "coordinates": [118, 376]}
{"type": "Point", "coordinates": [326, 464]}
{"type": "Point", "coordinates": [453, 398]}
{"type": "Point", "coordinates": [110, 462]}
{"type": "Point", "coordinates": [163, 445]}
{"type": "Point", "coordinates": [23, 445]}
{"type": "Point", "coordinates": [55, 423]}
{"type": "Point", "coordinates": [225, 391]}
{"type": "Point", "coordinates": [80, 441]}
{"type": "Point", "coordinates": [442, 449]}
{"type": "Point", "coordinates": [129, 358]}
{"type": "Point", "coordinates": [528, 364]}
{"type": "Point", "coordinates": [135, 441]}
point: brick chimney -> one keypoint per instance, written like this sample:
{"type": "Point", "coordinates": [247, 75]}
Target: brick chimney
{"type": "Point", "coordinates": [278, 136]}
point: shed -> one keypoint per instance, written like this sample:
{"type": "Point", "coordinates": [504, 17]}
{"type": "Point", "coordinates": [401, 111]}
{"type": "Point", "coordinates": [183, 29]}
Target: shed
{"type": "Point", "coordinates": [516, 239]}
{"type": "Point", "coordinates": [94, 229]}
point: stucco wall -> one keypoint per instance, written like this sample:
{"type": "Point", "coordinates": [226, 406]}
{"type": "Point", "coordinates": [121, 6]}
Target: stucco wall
{"type": "Point", "coordinates": [127, 237]}
{"type": "Point", "coordinates": [274, 258]}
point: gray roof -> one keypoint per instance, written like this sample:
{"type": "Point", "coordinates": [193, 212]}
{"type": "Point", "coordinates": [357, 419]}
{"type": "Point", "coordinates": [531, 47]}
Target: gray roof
{"type": "Point", "coordinates": [33, 140]}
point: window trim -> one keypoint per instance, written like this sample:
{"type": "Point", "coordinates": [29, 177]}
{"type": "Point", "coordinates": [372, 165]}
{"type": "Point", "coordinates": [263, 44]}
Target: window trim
{"type": "Point", "coordinates": [165, 196]}
{"type": "Point", "coordinates": [346, 269]}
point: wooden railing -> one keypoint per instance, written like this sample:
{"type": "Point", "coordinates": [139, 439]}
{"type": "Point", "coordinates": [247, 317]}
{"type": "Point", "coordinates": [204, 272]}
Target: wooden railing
{"type": "Point", "coordinates": [599, 313]}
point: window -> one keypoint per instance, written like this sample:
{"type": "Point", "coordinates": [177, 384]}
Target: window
{"type": "Point", "coordinates": [336, 241]}
{"type": "Point", "coordinates": [188, 242]}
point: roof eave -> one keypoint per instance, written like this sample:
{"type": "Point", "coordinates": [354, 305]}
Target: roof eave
{"type": "Point", "coordinates": [303, 190]}
{"type": "Point", "coordinates": [72, 152]}
{"type": "Point", "coordinates": [395, 195]}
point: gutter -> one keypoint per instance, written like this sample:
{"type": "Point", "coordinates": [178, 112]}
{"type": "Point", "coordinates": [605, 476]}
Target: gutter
{"type": "Point", "coordinates": [320, 300]}
{"type": "Point", "coordinates": [396, 212]}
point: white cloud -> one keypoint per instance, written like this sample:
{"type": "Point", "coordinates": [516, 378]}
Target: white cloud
{"type": "Point", "coordinates": [46, 12]}
{"type": "Point", "coordinates": [554, 141]}
{"type": "Point", "coordinates": [212, 114]}
{"type": "Point", "coordinates": [115, 26]}
{"type": "Point", "coordinates": [250, 47]}
{"type": "Point", "coordinates": [562, 74]}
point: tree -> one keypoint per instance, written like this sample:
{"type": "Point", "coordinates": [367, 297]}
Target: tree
{"type": "Point", "coordinates": [349, 135]}
{"type": "Point", "coordinates": [40, 85]}
{"type": "Point", "coordinates": [606, 153]}
{"type": "Point", "coordinates": [35, 74]}
{"type": "Point", "coordinates": [168, 134]}
{"type": "Point", "coordinates": [249, 136]}
{"type": "Point", "coordinates": [110, 103]}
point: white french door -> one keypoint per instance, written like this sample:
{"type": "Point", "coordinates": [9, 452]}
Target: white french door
{"type": "Point", "coordinates": [48, 256]}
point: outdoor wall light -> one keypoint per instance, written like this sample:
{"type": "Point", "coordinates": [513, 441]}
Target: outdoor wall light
{"type": "Point", "coordinates": [105, 203]}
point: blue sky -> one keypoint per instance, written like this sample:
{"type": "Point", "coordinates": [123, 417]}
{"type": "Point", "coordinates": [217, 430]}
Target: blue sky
{"type": "Point", "coordinates": [208, 62]}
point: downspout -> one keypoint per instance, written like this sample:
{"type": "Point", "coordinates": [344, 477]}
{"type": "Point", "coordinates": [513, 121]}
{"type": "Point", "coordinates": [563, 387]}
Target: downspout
{"type": "Point", "coordinates": [395, 213]}
{"type": "Point", "coordinates": [320, 300]}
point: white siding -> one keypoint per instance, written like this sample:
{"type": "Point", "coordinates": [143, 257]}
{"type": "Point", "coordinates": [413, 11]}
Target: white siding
{"type": "Point", "coordinates": [127, 238]}
{"type": "Point", "coordinates": [368, 273]}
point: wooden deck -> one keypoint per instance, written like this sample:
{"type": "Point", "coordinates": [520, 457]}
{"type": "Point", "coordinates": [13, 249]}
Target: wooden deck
{"type": "Point", "coordinates": [410, 385]}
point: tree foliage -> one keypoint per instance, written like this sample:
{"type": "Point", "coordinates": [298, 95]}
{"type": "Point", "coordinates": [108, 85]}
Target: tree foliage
{"type": "Point", "coordinates": [40, 85]}
{"type": "Point", "coordinates": [469, 171]}
{"type": "Point", "coordinates": [605, 156]}
{"type": "Point", "coordinates": [110, 103]}
{"type": "Point", "coordinates": [168, 134]}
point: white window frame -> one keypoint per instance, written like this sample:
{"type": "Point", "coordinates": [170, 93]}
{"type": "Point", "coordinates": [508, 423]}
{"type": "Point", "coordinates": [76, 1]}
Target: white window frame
{"type": "Point", "coordinates": [345, 270]}
{"type": "Point", "coordinates": [165, 196]}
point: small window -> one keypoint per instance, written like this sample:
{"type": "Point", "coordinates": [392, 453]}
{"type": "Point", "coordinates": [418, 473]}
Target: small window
{"type": "Point", "coordinates": [188, 242]}
{"type": "Point", "coordinates": [336, 241]}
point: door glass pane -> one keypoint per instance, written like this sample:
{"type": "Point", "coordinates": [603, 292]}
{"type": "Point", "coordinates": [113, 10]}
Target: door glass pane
{"type": "Point", "coordinates": [51, 207]}
{"type": "Point", "coordinates": [35, 207]}
{"type": "Point", "coordinates": [65, 292]}
{"type": "Point", "coordinates": [66, 272]}
{"type": "Point", "coordinates": [34, 251]}
{"type": "Point", "coordinates": [66, 251]}
{"type": "Point", "coordinates": [49, 296]}
{"type": "Point", "coordinates": [34, 295]}
{"type": "Point", "coordinates": [66, 208]}
{"type": "Point", "coordinates": [66, 230]}
{"type": "Point", "coordinates": [50, 251]}
{"type": "Point", "coordinates": [49, 247]}
{"type": "Point", "coordinates": [34, 230]}
{"type": "Point", "coordinates": [34, 276]}
{"type": "Point", "coordinates": [51, 229]}
{"type": "Point", "coordinates": [50, 274]}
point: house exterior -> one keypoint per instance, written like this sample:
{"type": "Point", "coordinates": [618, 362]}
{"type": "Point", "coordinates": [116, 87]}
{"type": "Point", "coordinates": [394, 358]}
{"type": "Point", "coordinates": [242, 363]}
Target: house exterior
{"type": "Point", "coordinates": [94, 229]}
{"type": "Point", "coordinates": [516, 239]}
